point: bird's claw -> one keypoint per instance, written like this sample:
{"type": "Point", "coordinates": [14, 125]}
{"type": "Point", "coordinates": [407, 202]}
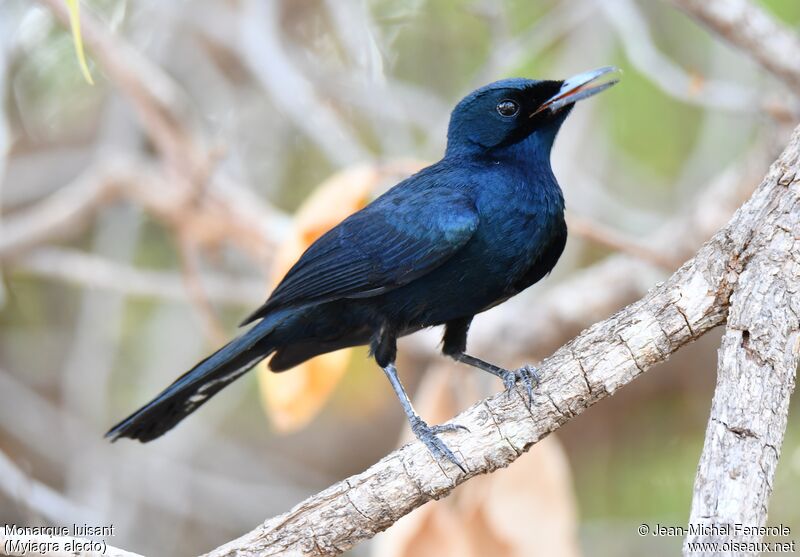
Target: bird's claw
{"type": "Point", "coordinates": [427, 434]}
{"type": "Point", "coordinates": [527, 375]}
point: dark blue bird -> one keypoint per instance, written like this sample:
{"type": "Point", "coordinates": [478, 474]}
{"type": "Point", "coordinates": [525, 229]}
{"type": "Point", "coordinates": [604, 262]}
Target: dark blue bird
{"type": "Point", "coordinates": [455, 239]}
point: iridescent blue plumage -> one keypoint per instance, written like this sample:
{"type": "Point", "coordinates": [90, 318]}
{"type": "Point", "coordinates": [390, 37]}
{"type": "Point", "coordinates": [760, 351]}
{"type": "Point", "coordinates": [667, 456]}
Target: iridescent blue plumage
{"type": "Point", "coordinates": [455, 239]}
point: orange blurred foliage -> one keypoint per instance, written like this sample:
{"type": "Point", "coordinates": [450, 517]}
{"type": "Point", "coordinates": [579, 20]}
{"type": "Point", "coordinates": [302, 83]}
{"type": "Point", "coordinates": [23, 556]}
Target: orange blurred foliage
{"type": "Point", "coordinates": [292, 399]}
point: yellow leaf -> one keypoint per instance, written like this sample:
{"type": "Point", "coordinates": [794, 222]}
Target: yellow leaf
{"type": "Point", "coordinates": [74, 8]}
{"type": "Point", "coordinates": [293, 398]}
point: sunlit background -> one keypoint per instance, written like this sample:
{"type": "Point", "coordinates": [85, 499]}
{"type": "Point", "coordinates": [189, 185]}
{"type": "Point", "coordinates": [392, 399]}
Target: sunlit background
{"type": "Point", "coordinates": [144, 216]}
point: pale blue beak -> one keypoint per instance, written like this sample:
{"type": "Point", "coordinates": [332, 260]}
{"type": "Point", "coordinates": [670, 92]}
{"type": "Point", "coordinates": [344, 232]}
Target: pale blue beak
{"type": "Point", "coordinates": [579, 87]}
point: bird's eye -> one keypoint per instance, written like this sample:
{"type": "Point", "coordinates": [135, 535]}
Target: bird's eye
{"type": "Point", "coordinates": [507, 108]}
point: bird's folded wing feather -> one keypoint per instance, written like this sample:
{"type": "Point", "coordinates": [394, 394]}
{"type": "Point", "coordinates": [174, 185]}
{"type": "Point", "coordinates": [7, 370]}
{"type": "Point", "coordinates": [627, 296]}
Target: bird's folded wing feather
{"type": "Point", "coordinates": [398, 238]}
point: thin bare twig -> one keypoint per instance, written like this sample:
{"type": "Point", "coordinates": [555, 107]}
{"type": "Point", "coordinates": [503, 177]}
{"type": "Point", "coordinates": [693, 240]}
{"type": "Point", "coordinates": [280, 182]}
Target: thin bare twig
{"type": "Point", "coordinates": [65, 212]}
{"type": "Point", "coordinates": [190, 270]}
{"type": "Point", "coordinates": [92, 271]}
{"type": "Point", "coordinates": [267, 59]}
{"type": "Point", "coordinates": [512, 52]}
{"type": "Point", "coordinates": [219, 220]}
{"type": "Point", "coordinates": [600, 234]}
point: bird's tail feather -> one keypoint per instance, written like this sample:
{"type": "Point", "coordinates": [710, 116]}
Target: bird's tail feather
{"type": "Point", "coordinates": [195, 387]}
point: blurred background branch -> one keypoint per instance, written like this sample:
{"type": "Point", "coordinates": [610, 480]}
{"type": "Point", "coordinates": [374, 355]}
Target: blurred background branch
{"type": "Point", "coordinates": [749, 27]}
{"type": "Point", "coordinates": [633, 28]}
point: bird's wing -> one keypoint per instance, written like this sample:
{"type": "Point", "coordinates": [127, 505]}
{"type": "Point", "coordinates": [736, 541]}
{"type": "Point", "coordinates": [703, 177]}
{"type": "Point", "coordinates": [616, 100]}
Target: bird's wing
{"type": "Point", "coordinates": [401, 236]}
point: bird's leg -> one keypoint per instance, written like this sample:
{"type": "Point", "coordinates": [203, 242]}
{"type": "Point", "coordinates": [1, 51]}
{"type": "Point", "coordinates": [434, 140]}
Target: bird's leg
{"type": "Point", "coordinates": [424, 432]}
{"type": "Point", "coordinates": [527, 375]}
{"type": "Point", "coordinates": [454, 344]}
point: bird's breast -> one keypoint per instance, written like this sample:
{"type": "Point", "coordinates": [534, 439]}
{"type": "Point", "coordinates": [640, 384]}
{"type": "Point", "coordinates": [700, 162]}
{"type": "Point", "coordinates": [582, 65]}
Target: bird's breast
{"type": "Point", "coordinates": [515, 239]}
{"type": "Point", "coordinates": [521, 214]}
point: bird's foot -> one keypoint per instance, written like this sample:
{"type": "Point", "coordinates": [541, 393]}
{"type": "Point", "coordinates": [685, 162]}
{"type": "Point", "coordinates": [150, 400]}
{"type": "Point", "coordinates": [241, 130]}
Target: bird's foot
{"type": "Point", "coordinates": [527, 375]}
{"type": "Point", "coordinates": [428, 435]}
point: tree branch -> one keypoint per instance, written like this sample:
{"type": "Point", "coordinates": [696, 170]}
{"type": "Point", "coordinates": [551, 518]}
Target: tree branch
{"type": "Point", "coordinates": [755, 379]}
{"type": "Point", "coordinates": [589, 368]}
{"type": "Point", "coordinates": [63, 212]}
{"type": "Point", "coordinates": [95, 272]}
{"type": "Point", "coordinates": [750, 28]}
{"type": "Point", "coordinates": [215, 221]}
{"type": "Point", "coordinates": [602, 235]}
{"type": "Point", "coordinates": [263, 52]}
{"type": "Point", "coordinates": [633, 29]}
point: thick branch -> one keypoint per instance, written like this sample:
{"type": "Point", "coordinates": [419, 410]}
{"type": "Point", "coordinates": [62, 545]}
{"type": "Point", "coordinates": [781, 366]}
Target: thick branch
{"type": "Point", "coordinates": [589, 368]}
{"type": "Point", "coordinates": [755, 379]}
{"type": "Point", "coordinates": [750, 28]}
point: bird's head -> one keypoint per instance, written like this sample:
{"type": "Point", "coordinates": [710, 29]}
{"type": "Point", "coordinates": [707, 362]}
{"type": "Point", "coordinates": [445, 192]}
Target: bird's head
{"type": "Point", "coordinates": [506, 112]}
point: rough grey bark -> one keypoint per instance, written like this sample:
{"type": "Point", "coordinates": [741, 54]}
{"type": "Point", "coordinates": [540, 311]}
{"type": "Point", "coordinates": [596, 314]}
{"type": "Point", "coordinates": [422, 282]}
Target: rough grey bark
{"type": "Point", "coordinates": [591, 367]}
{"type": "Point", "coordinates": [757, 363]}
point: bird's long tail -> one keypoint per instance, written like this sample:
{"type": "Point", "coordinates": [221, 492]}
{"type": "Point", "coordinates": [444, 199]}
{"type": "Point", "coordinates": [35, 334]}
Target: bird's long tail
{"type": "Point", "coordinates": [195, 387]}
